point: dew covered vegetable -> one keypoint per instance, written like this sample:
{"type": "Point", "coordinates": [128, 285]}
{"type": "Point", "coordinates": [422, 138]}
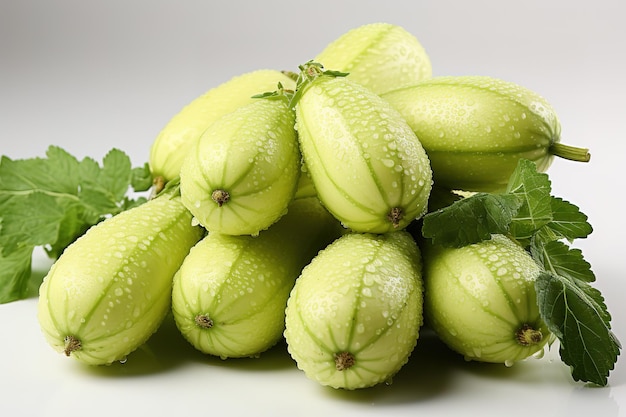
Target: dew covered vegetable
{"type": "Point", "coordinates": [230, 294]}
{"type": "Point", "coordinates": [380, 56]}
{"type": "Point", "coordinates": [332, 211]}
{"type": "Point", "coordinates": [476, 128]}
{"type": "Point", "coordinates": [354, 314]}
{"type": "Point", "coordinates": [180, 134]}
{"type": "Point", "coordinates": [243, 171]}
{"type": "Point", "coordinates": [109, 290]}
{"type": "Point", "coordinates": [495, 317]}
{"type": "Point", "coordinates": [367, 165]}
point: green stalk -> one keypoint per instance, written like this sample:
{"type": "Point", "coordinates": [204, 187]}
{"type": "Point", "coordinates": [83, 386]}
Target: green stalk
{"type": "Point", "coordinates": [571, 153]}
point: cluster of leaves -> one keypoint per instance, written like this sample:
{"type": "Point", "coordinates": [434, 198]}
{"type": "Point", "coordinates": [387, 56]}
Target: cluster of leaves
{"type": "Point", "coordinates": [50, 202]}
{"type": "Point", "coordinates": [544, 225]}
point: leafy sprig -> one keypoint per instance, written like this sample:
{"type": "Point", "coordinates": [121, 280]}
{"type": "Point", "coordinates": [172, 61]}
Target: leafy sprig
{"type": "Point", "coordinates": [310, 71]}
{"type": "Point", "coordinates": [50, 202]}
{"type": "Point", "coordinates": [572, 309]}
{"type": "Point", "coordinates": [281, 93]}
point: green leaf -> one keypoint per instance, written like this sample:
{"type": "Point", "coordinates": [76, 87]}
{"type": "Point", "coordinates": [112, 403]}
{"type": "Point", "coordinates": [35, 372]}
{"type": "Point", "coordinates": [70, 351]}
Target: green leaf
{"type": "Point", "coordinates": [56, 174]}
{"type": "Point", "coordinates": [279, 94]}
{"type": "Point", "coordinates": [141, 178]}
{"type": "Point", "coordinates": [588, 345]}
{"type": "Point", "coordinates": [101, 189]}
{"type": "Point", "coordinates": [441, 197]}
{"type": "Point", "coordinates": [15, 271]}
{"type": "Point", "coordinates": [568, 221]}
{"type": "Point", "coordinates": [471, 219]}
{"type": "Point", "coordinates": [561, 260]}
{"type": "Point", "coordinates": [533, 189]}
{"type": "Point", "coordinates": [96, 201]}
{"type": "Point", "coordinates": [30, 221]}
{"type": "Point", "coordinates": [115, 176]}
{"type": "Point", "coordinates": [71, 226]}
{"type": "Point", "coordinates": [128, 203]}
{"type": "Point", "coordinates": [520, 212]}
{"type": "Point", "coordinates": [51, 201]}
{"type": "Point", "coordinates": [62, 171]}
{"type": "Point", "coordinates": [576, 314]}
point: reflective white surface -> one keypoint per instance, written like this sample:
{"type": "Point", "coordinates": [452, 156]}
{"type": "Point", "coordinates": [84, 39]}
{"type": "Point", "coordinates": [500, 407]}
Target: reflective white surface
{"type": "Point", "coordinates": [89, 76]}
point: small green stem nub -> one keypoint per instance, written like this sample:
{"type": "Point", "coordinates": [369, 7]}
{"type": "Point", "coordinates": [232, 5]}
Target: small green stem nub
{"type": "Point", "coordinates": [220, 197]}
{"type": "Point", "coordinates": [571, 153]}
{"type": "Point", "coordinates": [527, 336]}
{"type": "Point", "coordinates": [71, 344]}
{"type": "Point", "coordinates": [344, 360]}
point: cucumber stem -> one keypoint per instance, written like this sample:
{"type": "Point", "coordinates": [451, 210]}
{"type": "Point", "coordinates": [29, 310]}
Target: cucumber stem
{"type": "Point", "coordinates": [571, 153]}
{"type": "Point", "coordinates": [159, 184]}
{"type": "Point", "coordinates": [71, 344]}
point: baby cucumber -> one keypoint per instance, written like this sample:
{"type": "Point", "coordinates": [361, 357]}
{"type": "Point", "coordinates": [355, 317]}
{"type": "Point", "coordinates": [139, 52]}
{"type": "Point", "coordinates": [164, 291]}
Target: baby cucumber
{"type": "Point", "coordinates": [174, 142]}
{"type": "Point", "coordinates": [243, 171]}
{"type": "Point", "coordinates": [230, 294]}
{"type": "Point", "coordinates": [110, 289]}
{"type": "Point", "coordinates": [366, 164]}
{"type": "Point", "coordinates": [380, 56]}
{"type": "Point", "coordinates": [354, 314]}
{"type": "Point", "coordinates": [481, 301]}
{"type": "Point", "coordinates": [475, 129]}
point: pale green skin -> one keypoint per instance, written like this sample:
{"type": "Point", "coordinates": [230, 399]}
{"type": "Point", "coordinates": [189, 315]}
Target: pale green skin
{"type": "Point", "coordinates": [251, 153]}
{"type": "Point", "coordinates": [242, 283]}
{"type": "Point", "coordinates": [306, 188]}
{"type": "Point", "coordinates": [111, 288]}
{"type": "Point", "coordinates": [475, 129]}
{"type": "Point", "coordinates": [174, 142]}
{"type": "Point", "coordinates": [363, 295]}
{"type": "Point", "coordinates": [380, 56]}
{"type": "Point", "coordinates": [477, 297]}
{"type": "Point", "coordinates": [362, 156]}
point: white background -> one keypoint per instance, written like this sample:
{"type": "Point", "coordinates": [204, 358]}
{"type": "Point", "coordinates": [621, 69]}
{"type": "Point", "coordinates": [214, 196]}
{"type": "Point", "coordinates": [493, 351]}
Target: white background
{"type": "Point", "coordinates": [90, 76]}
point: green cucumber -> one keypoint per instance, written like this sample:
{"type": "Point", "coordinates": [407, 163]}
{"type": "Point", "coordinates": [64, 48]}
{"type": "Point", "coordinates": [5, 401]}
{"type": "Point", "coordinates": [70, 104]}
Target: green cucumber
{"type": "Point", "coordinates": [367, 165]}
{"type": "Point", "coordinates": [481, 301]}
{"type": "Point", "coordinates": [110, 289]}
{"type": "Point", "coordinates": [475, 129]}
{"type": "Point", "coordinates": [230, 294]}
{"type": "Point", "coordinates": [174, 142]}
{"type": "Point", "coordinates": [380, 56]}
{"type": "Point", "coordinates": [244, 170]}
{"type": "Point", "coordinates": [354, 315]}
